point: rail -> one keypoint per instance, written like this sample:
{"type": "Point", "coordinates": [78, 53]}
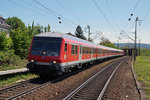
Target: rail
{"type": "Point", "coordinates": [82, 91]}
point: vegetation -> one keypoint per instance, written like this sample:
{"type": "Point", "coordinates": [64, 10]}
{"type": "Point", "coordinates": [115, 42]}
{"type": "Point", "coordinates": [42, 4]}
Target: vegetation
{"type": "Point", "coordinates": [8, 80]}
{"type": "Point", "coordinates": [106, 42]}
{"type": "Point", "coordinates": [79, 33]}
{"type": "Point", "coordinates": [8, 60]}
{"type": "Point", "coordinates": [5, 42]}
{"type": "Point", "coordinates": [14, 49]}
{"type": "Point", "coordinates": [15, 23]}
{"type": "Point", "coordinates": [144, 52]}
{"type": "Point", "coordinates": [142, 69]}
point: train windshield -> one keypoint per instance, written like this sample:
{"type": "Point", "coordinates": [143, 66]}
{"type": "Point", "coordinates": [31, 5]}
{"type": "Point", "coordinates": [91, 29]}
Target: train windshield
{"type": "Point", "coordinates": [46, 46]}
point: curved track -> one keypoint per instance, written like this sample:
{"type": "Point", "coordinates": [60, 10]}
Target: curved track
{"type": "Point", "coordinates": [12, 91]}
{"type": "Point", "coordinates": [95, 87]}
{"type": "Point", "coordinates": [23, 88]}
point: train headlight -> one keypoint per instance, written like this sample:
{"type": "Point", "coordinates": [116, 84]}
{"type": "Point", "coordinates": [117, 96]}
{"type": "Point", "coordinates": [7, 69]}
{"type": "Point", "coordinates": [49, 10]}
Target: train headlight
{"type": "Point", "coordinates": [32, 60]}
{"type": "Point", "coordinates": [54, 62]}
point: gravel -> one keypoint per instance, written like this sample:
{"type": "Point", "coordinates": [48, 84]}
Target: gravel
{"type": "Point", "coordinates": [122, 86]}
{"type": "Point", "coordinates": [59, 90]}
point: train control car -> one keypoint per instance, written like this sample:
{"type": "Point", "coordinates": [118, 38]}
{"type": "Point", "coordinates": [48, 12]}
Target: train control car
{"type": "Point", "coordinates": [56, 53]}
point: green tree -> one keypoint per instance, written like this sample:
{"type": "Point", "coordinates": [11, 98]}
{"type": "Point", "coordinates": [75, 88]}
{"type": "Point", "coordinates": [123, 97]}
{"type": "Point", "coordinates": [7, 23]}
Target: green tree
{"type": "Point", "coordinates": [45, 29]}
{"type": "Point", "coordinates": [48, 28]}
{"type": "Point", "coordinates": [106, 42]}
{"type": "Point", "coordinates": [15, 23]}
{"type": "Point", "coordinates": [34, 29]}
{"type": "Point", "coordinates": [79, 33]}
{"type": "Point", "coordinates": [5, 42]}
{"type": "Point", "coordinates": [21, 41]}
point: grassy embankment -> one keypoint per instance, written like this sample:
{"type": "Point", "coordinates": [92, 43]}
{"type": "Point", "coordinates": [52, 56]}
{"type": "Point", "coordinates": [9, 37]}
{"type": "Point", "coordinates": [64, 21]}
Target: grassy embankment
{"type": "Point", "coordinates": [142, 70]}
{"type": "Point", "coordinates": [8, 60]}
{"type": "Point", "coordinates": [11, 79]}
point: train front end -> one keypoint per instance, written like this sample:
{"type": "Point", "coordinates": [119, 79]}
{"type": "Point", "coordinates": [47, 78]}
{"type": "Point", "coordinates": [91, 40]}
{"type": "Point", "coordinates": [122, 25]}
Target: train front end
{"type": "Point", "coordinates": [44, 55]}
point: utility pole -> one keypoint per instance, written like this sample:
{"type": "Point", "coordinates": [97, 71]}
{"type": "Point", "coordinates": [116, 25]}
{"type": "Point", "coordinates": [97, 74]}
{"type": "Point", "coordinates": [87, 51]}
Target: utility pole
{"type": "Point", "coordinates": [88, 27]}
{"type": "Point", "coordinates": [139, 47]}
{"type": "Point", "coordinates": [135, 49]}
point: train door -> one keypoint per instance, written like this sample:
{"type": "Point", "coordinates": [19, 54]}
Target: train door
{"type": "Point", "coordinates": [92, 52]}
{"type": "Point", "coordinates": [80, 53]}
{"type": "Point", "coordinates": [66, 54]}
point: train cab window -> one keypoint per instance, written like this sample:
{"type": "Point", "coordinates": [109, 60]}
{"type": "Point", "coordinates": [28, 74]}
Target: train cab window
{"type": "Point", "coordinates": [72, 50]}
{"type": "Point", "coordinates": [47, 46]}
{"type": "Point", "coordinates": [65, 46]}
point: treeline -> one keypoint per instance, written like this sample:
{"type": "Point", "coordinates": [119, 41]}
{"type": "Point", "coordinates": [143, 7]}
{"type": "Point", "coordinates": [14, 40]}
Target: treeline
{"type": "Point", "coordinates": [144, 52]}
{"type": "Point", "coordinates": [20, 36]}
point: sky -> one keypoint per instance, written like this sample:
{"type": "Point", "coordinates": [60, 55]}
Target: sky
{"type": "Point", "coordinates": [106, 18]}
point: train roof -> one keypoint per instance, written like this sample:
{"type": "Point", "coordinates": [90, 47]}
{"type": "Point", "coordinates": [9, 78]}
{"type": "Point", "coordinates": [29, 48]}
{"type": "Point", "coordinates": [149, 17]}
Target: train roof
{"type": "Point", "coordinates": [73, 39]}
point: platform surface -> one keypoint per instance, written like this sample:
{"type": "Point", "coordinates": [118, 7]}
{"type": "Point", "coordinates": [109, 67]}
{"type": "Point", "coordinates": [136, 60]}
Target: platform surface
{"type": "Point", "coordinates": [13, 71]}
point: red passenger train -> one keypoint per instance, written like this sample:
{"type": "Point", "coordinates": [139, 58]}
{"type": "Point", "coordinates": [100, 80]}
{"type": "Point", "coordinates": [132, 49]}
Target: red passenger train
{"type": "Point", "coordinates": [54, 52]}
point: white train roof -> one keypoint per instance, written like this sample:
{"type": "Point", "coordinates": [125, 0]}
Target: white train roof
{"type": "Point", "coordinates": [73, 38]}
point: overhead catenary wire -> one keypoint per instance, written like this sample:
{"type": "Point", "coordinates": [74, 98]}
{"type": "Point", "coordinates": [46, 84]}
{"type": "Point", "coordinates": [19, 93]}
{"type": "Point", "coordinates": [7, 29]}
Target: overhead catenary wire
{"type": "Point", "coordinates": [113, 16]}
{"type": "Point", "coordinates": [100, 10]}
{"type": "Point", "coordinates": [146, 14]}
{"type": "Point", "coordinates": [69, 11]}
{"type": "Point", "coordinates": [55, 14]}
{"type": "Point", "coordinates": [135, 6]}
{"type": "Point", "coordinates": [73, 14]}
{"type": "Point", "coordinates": [37, 12]}
{"type": "Point", "coordinates": [31, 10]}
{"type": "Point", "coordinates": [132, 13]}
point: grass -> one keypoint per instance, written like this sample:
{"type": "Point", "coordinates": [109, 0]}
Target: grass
{"type": "Point", "coordinates": [142, 70]}
{"type": "Point", "coordinates": [11, 79]}
{"type": "Point", "coordinates": [8, 60]}
{"type": "Point", "coordinates": [22, 64]}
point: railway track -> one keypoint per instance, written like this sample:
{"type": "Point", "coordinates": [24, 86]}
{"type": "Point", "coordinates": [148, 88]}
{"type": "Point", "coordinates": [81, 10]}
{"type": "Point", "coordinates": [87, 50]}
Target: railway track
{"type": "Point", "coordinates": [95, 86]}
{"type": "Point", "coordinates": [19, 88]}
{"type": "Point", "coordinates": [23, 88]}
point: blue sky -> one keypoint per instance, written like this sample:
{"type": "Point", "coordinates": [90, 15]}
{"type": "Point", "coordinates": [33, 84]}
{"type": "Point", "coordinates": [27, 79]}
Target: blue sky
{"type": "Point", "coordinates": [110, 18]}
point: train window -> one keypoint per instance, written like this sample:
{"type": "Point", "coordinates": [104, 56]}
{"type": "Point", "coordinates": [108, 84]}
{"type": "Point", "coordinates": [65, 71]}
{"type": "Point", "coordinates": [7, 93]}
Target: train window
{"type": "Point", "coordinates": [72, 50]}
{"type": "Point", "coordinates": [101, 51]}
{"type": "Point", "coordinates": [86, 50]}
{"type": "Point", "coordinates": [51, 46]}
{"type": "Point", "coordinates": [90, 50]}
{"type": "Point", "coordinates": [76, 49]}
{"type": "Point", "coordinates": [80, 49]}
{"type": "Point", "coordinates": [65, 46]}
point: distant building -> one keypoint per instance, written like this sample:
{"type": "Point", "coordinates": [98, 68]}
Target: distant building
{"type": "Point", "coordinates": [3, 25]}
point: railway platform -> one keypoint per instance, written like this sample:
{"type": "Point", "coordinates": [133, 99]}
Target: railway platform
{"type": "Point", "coordinates": [13, 71]}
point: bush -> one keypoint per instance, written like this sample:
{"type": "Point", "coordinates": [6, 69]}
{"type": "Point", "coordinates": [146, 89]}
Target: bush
{"type": "Point", "coordinates": [21, 42]}
{"type": "Point", "coordinates": [8, 60]}
{"type": "Point", "coordinates": [5, 42]}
